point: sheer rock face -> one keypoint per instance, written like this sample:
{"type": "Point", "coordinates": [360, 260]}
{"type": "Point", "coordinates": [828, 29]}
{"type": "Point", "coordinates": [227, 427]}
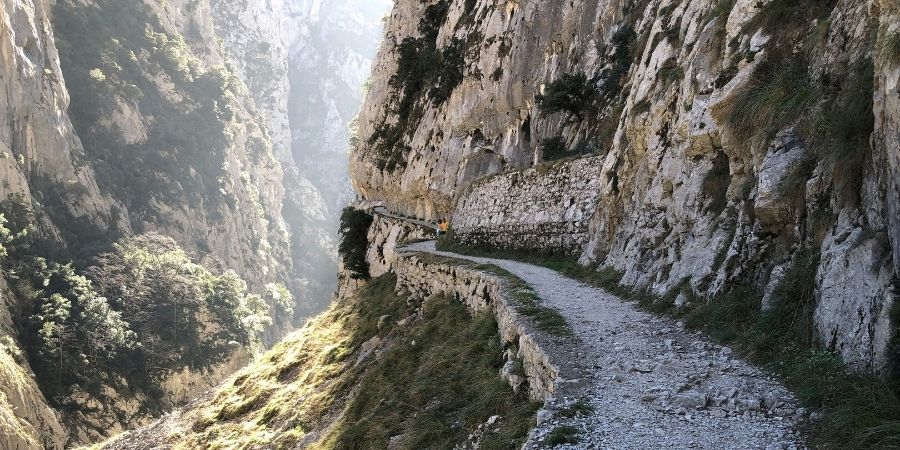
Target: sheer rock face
{"type": "Point", "coordinates": [686, 190]}
{"type": "Point", "coordinates": [26, 422]}
{"type": "Point", "coordinates": [36, 135]}
{"type": "Point", "coordinates": [37, 139]}
{"type": "Point", "coordinates": [237, 219]}
{"type": "Point", "coordinates": [886, 141]}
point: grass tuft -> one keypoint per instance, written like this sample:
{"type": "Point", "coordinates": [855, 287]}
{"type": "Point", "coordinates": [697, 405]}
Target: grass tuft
{"type": "Point", "coordinates": [889, 48]}
{"type": "Point", "coordinates": [562, 435]}
{"type": "Point", "coordinates": [579, 408]}
{"type": "Point", "coordinates": [776, 95]}
{"type": "Point", "coordinates": [721, 9]}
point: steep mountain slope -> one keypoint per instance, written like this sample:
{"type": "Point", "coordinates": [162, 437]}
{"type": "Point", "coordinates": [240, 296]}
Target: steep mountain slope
{"type": "Point", "coordinates": [736, 141]}
{"type": "Point", "coordinates": [334, 384]}
{"type": "Point", "coordinates": [127, 124]}
{"type": "Point", "coordinates": [170, 145]}
{"type": "Point", "coordinates": [330, 63]}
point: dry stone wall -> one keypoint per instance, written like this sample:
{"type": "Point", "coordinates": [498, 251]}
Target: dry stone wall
{"type": "Point", "coordinates": [547, 208]}
{"type": "Point", "coordinates": [420, 277]}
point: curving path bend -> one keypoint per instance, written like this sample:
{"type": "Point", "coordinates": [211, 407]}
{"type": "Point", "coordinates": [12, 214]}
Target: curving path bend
{"type": "Point", "coordinates": [650, 383]}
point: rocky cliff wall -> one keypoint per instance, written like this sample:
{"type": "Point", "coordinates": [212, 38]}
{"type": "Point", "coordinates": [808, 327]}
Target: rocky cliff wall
{"type": "Point", "coordinates": [129, 117]}
{"type": "Point", "coordinates": [736, 137]}
{"type": "Point", "coordinates": [546, 209]}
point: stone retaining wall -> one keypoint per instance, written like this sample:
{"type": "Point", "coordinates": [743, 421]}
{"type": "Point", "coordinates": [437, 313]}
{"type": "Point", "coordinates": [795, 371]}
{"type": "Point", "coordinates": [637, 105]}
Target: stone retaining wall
{"type": "Point", "coordinates": [385, 235]}
{"type": "Point", "coordinates": [421, 277]}
{"type": "Point", "coordinates": [547, 208]}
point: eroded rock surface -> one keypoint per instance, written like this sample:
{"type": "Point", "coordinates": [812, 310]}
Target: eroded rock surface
{"type": "Point", "coordinates": [722, 153]}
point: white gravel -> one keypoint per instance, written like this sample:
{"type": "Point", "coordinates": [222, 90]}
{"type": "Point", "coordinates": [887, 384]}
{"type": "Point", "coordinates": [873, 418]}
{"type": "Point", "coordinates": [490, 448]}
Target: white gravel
{"type": "Point", "coordinates": [651, 383]}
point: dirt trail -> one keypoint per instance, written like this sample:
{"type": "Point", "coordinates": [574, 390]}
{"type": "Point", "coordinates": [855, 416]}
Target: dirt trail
{"type": "Point", "coordinates": [650, 383]}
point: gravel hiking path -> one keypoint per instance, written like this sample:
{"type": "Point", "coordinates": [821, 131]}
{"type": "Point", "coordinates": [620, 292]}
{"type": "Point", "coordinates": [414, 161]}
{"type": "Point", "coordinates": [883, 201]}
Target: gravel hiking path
{"type": "Point", "coordinates": [649, 383]}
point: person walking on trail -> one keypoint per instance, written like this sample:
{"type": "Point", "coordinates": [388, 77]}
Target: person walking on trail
{"type": "Point", "coordinates": [442, 227]}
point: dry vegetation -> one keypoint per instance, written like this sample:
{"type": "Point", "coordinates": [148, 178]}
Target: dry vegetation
{"type": "Point", "coordinates": [314, 389]}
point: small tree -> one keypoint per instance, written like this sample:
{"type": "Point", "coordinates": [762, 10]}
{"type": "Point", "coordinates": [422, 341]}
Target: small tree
{"type": "Point", "coordinates": [572, 93]}
{"type": "Point", "coordinates": [281, 298]}
{"type": "Point", "coordinates": [554, 148]}
{"type": "Point", "coordinates": [355, 225]}
{"type": "Point", "coordinates": [77, 331]}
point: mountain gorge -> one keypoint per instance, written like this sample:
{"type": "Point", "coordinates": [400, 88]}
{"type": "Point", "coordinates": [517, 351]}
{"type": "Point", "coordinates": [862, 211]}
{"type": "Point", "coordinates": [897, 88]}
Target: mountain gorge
{"type": "Point", "coordinates": [157, 230]}
{"type": "Point", "coordinates": [661, 224]}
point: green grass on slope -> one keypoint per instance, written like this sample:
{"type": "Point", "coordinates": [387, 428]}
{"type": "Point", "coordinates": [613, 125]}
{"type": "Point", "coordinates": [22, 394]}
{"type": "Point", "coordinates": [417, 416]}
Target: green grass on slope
{"type": "Point", "coordinates": [436, 385]}
{"type": "Point", "coordinates": [429, 384]}
{"type": "Point", "coordinates": [859, 412]}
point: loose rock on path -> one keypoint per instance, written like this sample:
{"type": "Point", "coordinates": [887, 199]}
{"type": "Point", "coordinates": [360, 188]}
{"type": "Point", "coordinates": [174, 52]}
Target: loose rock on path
{"type": "Point", "coordinates": [649, 383]}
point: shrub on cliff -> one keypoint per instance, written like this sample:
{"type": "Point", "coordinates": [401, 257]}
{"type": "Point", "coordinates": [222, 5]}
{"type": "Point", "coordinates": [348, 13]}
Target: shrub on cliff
{"type": "Point", "coordinates": [355, 225]}
{"type": "Point", "coordinates": [137, 314]}
{"type": "Point", "coordinates": [554, 148]}
{"type": "Point", "coordinates": [425, 73]}
{"type": "Point", "coordinates": [573, 94]}
{"type": "Point", "coordinates": [73, 333]}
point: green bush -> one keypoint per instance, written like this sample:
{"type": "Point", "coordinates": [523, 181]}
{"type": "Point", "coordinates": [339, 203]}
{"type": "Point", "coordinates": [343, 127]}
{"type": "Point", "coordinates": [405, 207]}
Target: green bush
{"type": "Point", "coordinates": [613, 78]}
{"type": "Point", "coordinates": [554, 148]}
{"type": "Point", "coordinates": [563, 434]}
{"type": "Point", "coordinates": [424, 71]}
{"type": "Point", "coordinates": [137, 313]}
{"type": "Point", "coordinates": [73, 334]}
{"type": "Point", "coordinates": [354, 231]}
{"type": "Point", "coordinates": [670, 71]}
{"type": "Point", "coordinates": [721, 9]}
{"type": "Point", "coordinates": [782, 16]}
{"type": "Point", "coordinates": [573, 94]}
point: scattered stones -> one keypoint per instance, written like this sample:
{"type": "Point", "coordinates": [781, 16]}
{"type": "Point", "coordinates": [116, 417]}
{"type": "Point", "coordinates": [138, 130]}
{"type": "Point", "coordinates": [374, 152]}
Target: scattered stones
{"type": "Point", "coordinates": [689, 400]}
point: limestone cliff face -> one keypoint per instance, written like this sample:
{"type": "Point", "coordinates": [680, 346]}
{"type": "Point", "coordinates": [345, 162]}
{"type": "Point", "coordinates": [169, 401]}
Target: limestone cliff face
{"type": "Point", "coordinates": [702, 177]}
{"type": "Point", "coordinates": [331, 59]}
{"type": "Point", "coordinates": [304, 63]}
{"type": "Point", "coordinates": [130, 117]}
{"type": "Point", "coordinates": [36, 135]}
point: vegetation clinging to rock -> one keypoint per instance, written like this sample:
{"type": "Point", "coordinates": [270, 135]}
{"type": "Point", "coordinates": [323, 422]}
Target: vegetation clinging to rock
{"type": "Point", "coordinates": [572, 93]}
{"type": "Point", "coordinates": [138, 314]}
{"type": "Point", "coordinates": [423, 70]}
{"type": "Point", "coordinates": [354, 231]}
